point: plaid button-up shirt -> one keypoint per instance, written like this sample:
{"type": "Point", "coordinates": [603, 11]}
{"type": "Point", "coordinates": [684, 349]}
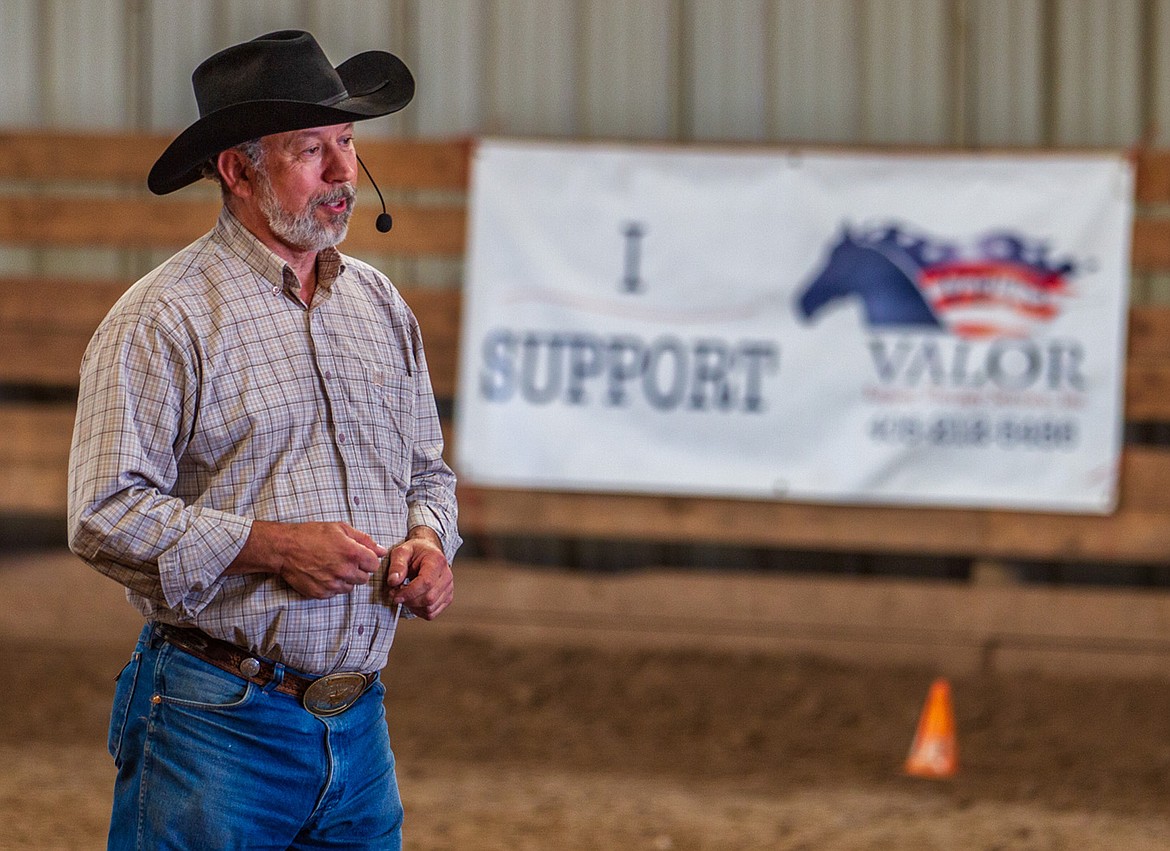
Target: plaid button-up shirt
{"type": "Point", "coordinates": [211, 397]}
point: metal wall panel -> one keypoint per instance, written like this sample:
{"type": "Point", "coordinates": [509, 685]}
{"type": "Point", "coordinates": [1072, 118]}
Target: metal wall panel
{"type": "Point", "coordinates": [725, 67]}
{"type": "Point", "coordinates": [531, 68]}
{"type": "Point", "coordinates": [20, 100]}
{"type": "Point", "coordinates": [88, 81]}
{"type": "Point", "coordinates": [239, 20]}
{"type": "Point", "coordinates": [629, 74]}
{"type": "Point", "coordinates": [181, 34]}
{"type": "Point", "coordinates": [348, 28]}
{"type": "Point", "coordinates": [815, 71]}
{"type": "Point", "coordinates": [1156, 94]}
{"type": "Point", "coordinates": [1097, 75]}
{"type": "Point", "coordinates": [906, 97]}
{"type": "Point", "coordinates": [449, 64]}
{"type": "Point", "coordinates": [1004, 79]}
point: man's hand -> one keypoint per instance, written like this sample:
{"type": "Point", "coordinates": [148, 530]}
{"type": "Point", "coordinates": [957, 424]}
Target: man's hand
{"type": "Point", "coordinates": [420, 559]}
{"type": "Point", "coordinates": [319, 560]}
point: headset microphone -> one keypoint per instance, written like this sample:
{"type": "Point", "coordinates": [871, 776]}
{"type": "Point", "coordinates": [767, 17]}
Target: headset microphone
{"type": "Point", "coordinates": [383, 223]}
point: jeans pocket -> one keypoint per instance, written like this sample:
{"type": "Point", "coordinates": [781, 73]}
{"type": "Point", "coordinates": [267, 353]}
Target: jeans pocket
{"type": "Point", "coordinates": [120, 712]}
{"type": "Point", "coordinates": [187, 681]}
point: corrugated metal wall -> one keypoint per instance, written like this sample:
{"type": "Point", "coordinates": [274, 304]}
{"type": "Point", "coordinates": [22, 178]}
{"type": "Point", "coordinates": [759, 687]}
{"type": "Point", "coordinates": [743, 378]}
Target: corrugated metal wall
{"type": "Point", "coordinates": [935, 72]}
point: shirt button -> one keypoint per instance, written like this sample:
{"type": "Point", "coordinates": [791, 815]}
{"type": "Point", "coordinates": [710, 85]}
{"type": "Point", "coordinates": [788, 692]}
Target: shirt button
{"type": "Point", "coordinates": [361, 629]}
{"type": "Point", "coordinates": [276, 290]}
{"type": "Point", "coordinates": [341, 438]}
{"type": "Point", "coordinates": [328, 374]}
{"type": "Point", "coordinates": [357, 500]}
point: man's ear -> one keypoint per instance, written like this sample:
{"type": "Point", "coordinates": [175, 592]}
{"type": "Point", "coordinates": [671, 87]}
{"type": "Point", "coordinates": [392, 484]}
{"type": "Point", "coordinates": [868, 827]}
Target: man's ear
{"type": "Point", "coordinates": [237, 173]}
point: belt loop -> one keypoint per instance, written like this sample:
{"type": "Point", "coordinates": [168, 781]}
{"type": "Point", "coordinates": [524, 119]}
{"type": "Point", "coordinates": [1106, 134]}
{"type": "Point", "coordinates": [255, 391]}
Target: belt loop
{"type": "Point", "coordinates": [156, 637]}
{"type": "Point", "coordinates": [277, 678]}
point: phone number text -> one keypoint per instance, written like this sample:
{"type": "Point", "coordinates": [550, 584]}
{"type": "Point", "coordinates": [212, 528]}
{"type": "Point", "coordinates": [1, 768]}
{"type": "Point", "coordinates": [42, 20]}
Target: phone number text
{"type": "Point", "coordinates": [1041, 433]}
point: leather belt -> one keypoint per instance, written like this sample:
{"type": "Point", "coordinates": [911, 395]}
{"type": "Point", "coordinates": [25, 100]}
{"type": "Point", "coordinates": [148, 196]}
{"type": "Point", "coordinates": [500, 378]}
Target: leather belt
{"type": "Point", "coordinates": [328, 695]}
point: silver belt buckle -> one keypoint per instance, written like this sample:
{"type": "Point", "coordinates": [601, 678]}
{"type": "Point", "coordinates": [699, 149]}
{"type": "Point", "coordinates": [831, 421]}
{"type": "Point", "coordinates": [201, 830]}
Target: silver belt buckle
{"type": "Point", "coordinates": [334, 693]}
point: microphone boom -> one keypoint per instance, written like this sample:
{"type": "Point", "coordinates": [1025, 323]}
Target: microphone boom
{"type": "Point", "coordinates": [383, 223]}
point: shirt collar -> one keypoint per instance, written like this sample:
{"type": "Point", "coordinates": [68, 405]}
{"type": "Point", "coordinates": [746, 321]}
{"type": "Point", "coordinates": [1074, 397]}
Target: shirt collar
{"type": "Point", "coordinates": [270, 267]}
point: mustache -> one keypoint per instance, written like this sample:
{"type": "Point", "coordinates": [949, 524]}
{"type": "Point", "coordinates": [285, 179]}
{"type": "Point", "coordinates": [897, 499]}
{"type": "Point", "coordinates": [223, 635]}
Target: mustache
{"type": "Point", "coordinates": [346, 192]}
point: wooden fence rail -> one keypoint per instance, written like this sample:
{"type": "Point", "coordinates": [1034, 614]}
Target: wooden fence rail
{"type": "Point", "coordinates": [63, 191]}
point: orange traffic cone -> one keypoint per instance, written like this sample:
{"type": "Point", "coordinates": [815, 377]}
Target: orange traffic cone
{"type": "Point", "coordinates": [935, 753]}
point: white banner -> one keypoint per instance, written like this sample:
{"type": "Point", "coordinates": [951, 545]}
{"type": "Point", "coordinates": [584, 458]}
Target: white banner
{"type": "Point", "coordinates": [935, 330]}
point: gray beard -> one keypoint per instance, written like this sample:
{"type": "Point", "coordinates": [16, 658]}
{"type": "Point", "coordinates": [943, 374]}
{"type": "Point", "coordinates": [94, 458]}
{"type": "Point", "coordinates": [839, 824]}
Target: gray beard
{"type": "Point", "coordinates": [302, 229]}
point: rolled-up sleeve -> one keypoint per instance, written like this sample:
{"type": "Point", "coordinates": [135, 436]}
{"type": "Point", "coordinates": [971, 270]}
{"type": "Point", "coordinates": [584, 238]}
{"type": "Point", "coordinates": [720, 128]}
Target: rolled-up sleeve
{"type": "Point", "coordinates": [431, 497]}
{"type": "Point", "coordinates": [136, 407]}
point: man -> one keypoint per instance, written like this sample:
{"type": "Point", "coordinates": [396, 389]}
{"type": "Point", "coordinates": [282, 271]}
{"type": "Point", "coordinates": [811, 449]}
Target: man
{"type": "Point", "coordinates": [257, 458]}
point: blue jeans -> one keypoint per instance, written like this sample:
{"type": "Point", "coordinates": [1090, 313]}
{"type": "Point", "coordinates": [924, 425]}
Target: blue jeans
{"type": "Point", "coordinates": [207, 760]}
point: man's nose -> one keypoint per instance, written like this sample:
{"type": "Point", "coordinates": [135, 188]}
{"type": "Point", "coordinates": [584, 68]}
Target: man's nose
{"type": "Point", "coordinates": [340, 166]}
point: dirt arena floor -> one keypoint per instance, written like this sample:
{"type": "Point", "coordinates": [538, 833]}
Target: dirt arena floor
{"type": "Point", "coordinates": [509, 745]}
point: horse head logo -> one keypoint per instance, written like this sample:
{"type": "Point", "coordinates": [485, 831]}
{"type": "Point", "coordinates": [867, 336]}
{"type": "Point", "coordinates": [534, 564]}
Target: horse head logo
{"type": "Point", "coordinates": [1005, 286]}
{"type": "Point", "coordinates": [882, 271]}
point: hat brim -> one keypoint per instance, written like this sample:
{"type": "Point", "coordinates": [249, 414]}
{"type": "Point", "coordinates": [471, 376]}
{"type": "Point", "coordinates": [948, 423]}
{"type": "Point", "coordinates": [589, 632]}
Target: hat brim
{"type": "Point", "coordinates": [378, 84]}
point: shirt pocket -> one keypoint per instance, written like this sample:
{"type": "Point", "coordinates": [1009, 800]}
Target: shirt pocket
{"type": "Point", "coordinates": [384, 404]}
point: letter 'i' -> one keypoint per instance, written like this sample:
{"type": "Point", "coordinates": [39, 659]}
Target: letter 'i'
{"type": "Point", "coordinates": [631, 279]}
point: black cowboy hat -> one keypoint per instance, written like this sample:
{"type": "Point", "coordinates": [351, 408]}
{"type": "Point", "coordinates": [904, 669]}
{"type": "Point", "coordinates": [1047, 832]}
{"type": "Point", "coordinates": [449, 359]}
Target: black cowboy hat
{"type": "Point", "coordinates": [278, 82]}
